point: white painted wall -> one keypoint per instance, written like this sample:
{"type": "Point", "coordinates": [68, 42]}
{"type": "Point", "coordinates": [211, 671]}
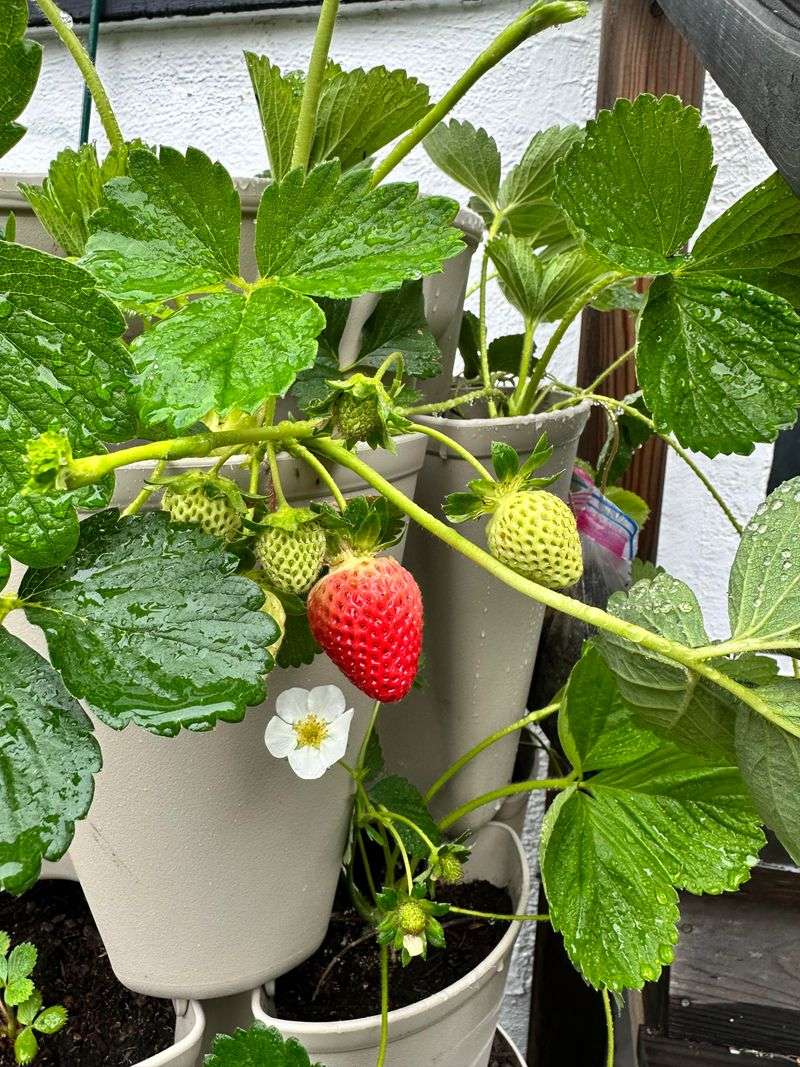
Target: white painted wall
{"type": "Point", "coordinates": [183, 82]}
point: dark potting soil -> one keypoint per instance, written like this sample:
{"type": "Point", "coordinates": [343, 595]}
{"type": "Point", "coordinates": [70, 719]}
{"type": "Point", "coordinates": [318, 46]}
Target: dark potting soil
{"type": "Point", "coordinates": [351, 988]}
{"type": "Point", "coordinates": [501, 1057]}
{"type": "Point", "coordinates": [108, 1026]}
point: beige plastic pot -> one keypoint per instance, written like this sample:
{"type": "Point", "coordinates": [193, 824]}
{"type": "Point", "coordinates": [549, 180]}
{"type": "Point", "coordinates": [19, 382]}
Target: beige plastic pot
{"type": "Point", "coordinates": [190, 1025]}
{"type": "Point", "coordinates": [444, 292]}
{"type": "Point", "coordinates": [511, 1048]}
{"type": "Point", "coordinates": [188, 835]}
{"type": "Point", "coordinates": [453, 1028]}
{"type": "Point", "coordinates": [481, 636]}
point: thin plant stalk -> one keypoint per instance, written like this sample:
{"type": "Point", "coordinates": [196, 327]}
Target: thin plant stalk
{"type": "Point", "coordinates": [499, 918]}
{"type": "Point", "coordinates": [483, 327]}
{"type": "Point", "coordinates": [144, 495]}
{"type": "Point", "coordinates": [384, 1042]}
{"type": "Point", "coordinates": [455, 447]}
{"type": "Point", "coordinates": [307, 120]}
{"type": "Point", "coordinates": [453, 402]}
{"type": "Point", "coordinates": [609, 1015]}
{"type": "Point", "coordinates": [524, 367]}
{"type": "Point", "coordinates": [512, 790]}
{"type": "Point", "coordinates": [321, 471]}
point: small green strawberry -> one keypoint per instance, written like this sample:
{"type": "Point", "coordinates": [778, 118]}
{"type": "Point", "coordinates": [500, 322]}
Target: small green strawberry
{"type": "Point", "coordinates": [206, 500]}
{"type": "Point", "coordinates": [272, 606]}
{"type": "Point", "coordinates": [291, 549]}
{"type": "Point", "coordinates": [534, 533]}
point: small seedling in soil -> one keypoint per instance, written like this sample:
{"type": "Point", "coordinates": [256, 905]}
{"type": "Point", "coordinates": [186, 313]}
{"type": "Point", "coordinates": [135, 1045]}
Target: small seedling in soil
{"type": "Point", "coordinates": [21, 1013]}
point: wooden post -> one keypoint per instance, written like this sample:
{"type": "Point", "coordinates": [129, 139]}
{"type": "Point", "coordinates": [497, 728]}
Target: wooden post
{"type": "Point", "coordinates": [640, 52]}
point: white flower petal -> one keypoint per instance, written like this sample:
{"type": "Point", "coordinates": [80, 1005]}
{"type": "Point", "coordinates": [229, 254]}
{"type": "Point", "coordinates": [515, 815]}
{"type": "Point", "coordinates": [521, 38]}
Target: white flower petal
{"type": "Point", "coordinates": [279, 737]}
{"type": "Point", "coordinates": [414, 944]}
{"type": "Point", "coordinates": [292, 704]}
{"type": "Point", "coordinates": [334, 746]}
{"type": "Point", "coordinates": [308, 762]}
{"type": "Point", "coordinates": [326, 701]}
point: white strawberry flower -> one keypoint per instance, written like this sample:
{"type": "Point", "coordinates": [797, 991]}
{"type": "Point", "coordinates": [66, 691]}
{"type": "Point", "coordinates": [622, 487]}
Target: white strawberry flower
{"type": "Point", "coordinates": [310, 729]}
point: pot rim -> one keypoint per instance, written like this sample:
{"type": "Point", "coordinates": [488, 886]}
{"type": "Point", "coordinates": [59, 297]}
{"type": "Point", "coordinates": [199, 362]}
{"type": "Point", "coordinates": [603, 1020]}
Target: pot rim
{"type": "Point", "coordinates": [444, 996]}
{"type": "Point", "coordinates": [512, 1046]}
{"type": "Point", "coordinates": [186, 1043]}
{"type": "Point", "coordinates": [503, 420]}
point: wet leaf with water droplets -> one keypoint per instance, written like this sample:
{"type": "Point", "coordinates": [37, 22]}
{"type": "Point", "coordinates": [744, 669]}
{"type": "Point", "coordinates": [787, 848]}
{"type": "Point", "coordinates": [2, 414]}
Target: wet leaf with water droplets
{"type": "Point", "coordinates": [20, 62]}
{"type": "Point", "coordinates": [149, 622]}
{"type": "Point", "coordinates": [468, 155]}
{"type": "Point", "coordinates": [719, 362]}
{"type": "Point", "coordinates": [615, 851]}
{"type": "Point", "coordinates": [48, 757]}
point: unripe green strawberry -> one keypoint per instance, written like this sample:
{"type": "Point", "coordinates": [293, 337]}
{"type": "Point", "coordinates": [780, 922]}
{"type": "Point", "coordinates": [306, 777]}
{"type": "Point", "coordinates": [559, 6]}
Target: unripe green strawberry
{"type": "Point", "coordinates": [357, 419]}
{"type": "Point", "coordinates": [534, 533]}
{"type": "Point", "coordinates": [206, 502]}
{"type": "Point", "coordinates": [271, 606]}
{"type": "Point", "coordinates": [292, 559]}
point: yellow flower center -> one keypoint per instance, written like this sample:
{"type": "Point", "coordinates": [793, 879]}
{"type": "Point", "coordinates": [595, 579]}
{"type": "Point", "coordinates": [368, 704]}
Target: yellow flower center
{"type": "Point", "coordinates": [311, 731]}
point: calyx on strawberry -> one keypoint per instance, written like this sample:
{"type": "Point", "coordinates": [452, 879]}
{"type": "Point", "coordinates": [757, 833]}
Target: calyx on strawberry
{"type": "Point", "coordinates": [531, 531]}
{"type": "Point", "coordinates": [363, 409]}
{"type": "Point", "coordinates": [366, 612]}
{"type": "Point", "coordinates": [291, 548]}
{"type": "Point", "coordinates": [214, 504]}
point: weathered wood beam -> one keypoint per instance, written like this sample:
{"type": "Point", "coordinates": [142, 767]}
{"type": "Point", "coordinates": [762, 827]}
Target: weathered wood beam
{"type": "Point", "coordinates": [640, 52]}
{"type": "Point", "coordinates": [752, 50]}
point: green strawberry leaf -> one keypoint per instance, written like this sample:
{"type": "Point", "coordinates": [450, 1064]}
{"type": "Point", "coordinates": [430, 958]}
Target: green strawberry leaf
{"type": "Point", "coordinates": [649, 167]}
{"type": "Point", "coordinates": [312, 388]}
{"type": "Point", "coordinates": [150, 623]}
{"type": "Point", "coordinates": [631, 503]}
{"type": "Point", "coordinates": [769, 759]}
{"type": "Point", "coordinates": [615, 849]}
{"type": "Point", "coordinates": [667, 697]}
{"type": "Point", "coordinates": [20, 63]}
{"type": "Point", "coordinates": [756, 241]}
{"type": "Point", "coordinates": [72, 192]}
{"type": "Point", "coordinates": [504, 355]}
{"type": "Point", "coordinates": [624, 296]}
{"type": "Point", "coordinates": [520, 271]}
{"type": "Point", "coordinates": [18, 990]}
{"type": "Point", "coordinates": [399, 795]}
{"type": "Point", "coordinates": [227, 351]}
{"type": "Point", "coordinates": [373, 758]}
{"type": "Point", "coordinates": [526, 195]}
{"type": "Point", "coordinates": [22, 961]}
{"type": "Point", "coordinates": [278, 97]}
{"type": "Point", "coordinates": [5, 945]}
{"type": "Point", "coordinates": [51, 1020]}
{"type": "Point", "coordinates": [719, 362]}
{"type": "Point", "coordinates": [620, 447]}
{"type": "Point", "coordinates": [328, 234]}
{"type": "Point", "coordinates": [764, 590]}
{"type": "Point", "coordinates": [169, 229]}
{"type": "Point", "coordinates": [28, 1011]}
{"type": "Point", "coordinates": [257, 1047]}
{"type": "Point", "coordinates": [5, 568]}
{"type": "Point", "coordinates": [63, 364]}
{"type": "Point", "coordinates": [596, 727]}
{"type": "Point", "coordinates": [398, 324]}
{"type": "Point", "coordinates": [299, 647]}
{"type": "Point", "coordinates": [26, 1047]}
{"type": "Point", "coordinates": [467, 155]}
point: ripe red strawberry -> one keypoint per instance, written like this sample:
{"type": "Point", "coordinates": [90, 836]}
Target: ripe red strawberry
{"type": "Point", "coordinates": [367, 615]}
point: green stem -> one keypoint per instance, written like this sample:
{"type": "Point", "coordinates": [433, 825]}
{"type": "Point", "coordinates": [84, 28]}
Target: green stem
{"type": "Point", "coordinates": [514, 727]}
{"type": "Point", "coordinates": [255, 471]}
{"type": "Point", "coordinates": [384, 1043]}
{"type": "Point", "coordinates": [524, 367]}
{"type": "Point", "coordinates": [391, 359]}
{"type": "Point", "coordinates": [226, 456]}
{"type": "Point", "coordinates": [609, 1028]}
{"type": "Point", "coordinates": [404, 856]}
{"type": "Point", "coordinates": [583, 394]}
{"type": "Point", "coordinates": [473, 289]}
{"type": "Point", "coordinates": [307, 120]}
{"type": "Point", "coordinates": [453, 402]}
{"type": "Point", "coordinates": [454, 447]}
{"type": "Point", "coordinates": [534, 20]}
{"type": "Point", "coordinates": [142, 497]}
{"type": "Point", "coordinates": [393, 816]}
{"type": "Point", "coordinates": [275, 474]}
{"type": "Point", "coordinates": [499, 918]}
{"type": "Point", "coordinates": [90, 469]}
{"type": "Point", "coordinates": [321, 471]}
{"type": "Point", "coordinates": [512, 790]}
{"type": "Point", "coordinates": [483, 325]}
{"type": "Point", "coordinates": [367, 870]}
{"type": "Point", "coordinates": [84, 63]}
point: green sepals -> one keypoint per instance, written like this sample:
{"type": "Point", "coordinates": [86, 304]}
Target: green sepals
{"type": "Point", "coordinates": [49, 461]}
{"type": "Point", "coordinates": [469, 156]}
{"type": "Point", "coordinates": [397, 794]}
{"type": "Point", "coordinates": [512, 477]}
{"type": "Point", "coordinates": [649, 167]}
{"type": "Point", "coordinates": [257, 1047]}
{"type": "Point", "coordinates": [367, 525]}
{"type": "Point", "coordinates": [446, 865]}
{"type": "Point", "coordinates": [26, 1047]}
{"type": "Point", "coordinates": [287, 518]}
{"type": "Point", "coordinates": [211, 485]}
{"type": "Point", "coordinates": [409, 922]}
{"type": "Point", "coordinates": [20, 63]}
{"type": "Point", "coordinates": [72, 192]}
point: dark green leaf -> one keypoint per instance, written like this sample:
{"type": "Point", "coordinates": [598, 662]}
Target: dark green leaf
{"type": "Point", "coordinates": [72, 192]}
{"type": "Point", "coordinates": [398, 324]}
{"type": "Point", "coordinates": [225, 351]}
{"type": "Point", "coordinates": [637, 185]}
{"type": "Point", "coordinates": [331, 235]}
{"type": "Point", "coordinates": [399, 795]}
{"type": "Point", "coordinates": [20, 62]}
{"type": "Point", "coordinates": [62, 363]}
{"type": "Point", "coordinates": [623, 296]}
{"type": "Point", "coordinates": [614, 852]}
{"type": "Point", "coordinates": [764, 591]}
{"type": "Point", "coordinates": [257, 1047]}
{"type": "Point", "coordinates": [619, 449]}
{"type": "Point", "coordinates": [279, 97]}
{"type": "Point", "coordinates": [526, 193]}
{"type": "Point", "coordinates": [505, 354]}
{"type": "Point", "coordinates": [596, 727]}
{"type": "Point", "coordinates": [469, 344]}
{"type": "Point", "coordinates": [373, 757]}
{"type": "Point", "coordinates": [719, 362]}
{"type": "Point", "coordinates": [5, 568]}
{"type": "Point", "coordinates": [757, 241]}
{"type": "Point", "coordinates": [769, 759]}
{"type": "Point", "coordinates": [467, 155]}
{"type": "Point", "coordinates": [668, 698]}
{"type": "Point", "coordinates": [312, 387]}
{"type": "Point", "coordinates": [170, 229]}
{"type": "Point", "coordinates": [520, 273]}
{"type": "Point", "coordinates": [49, 759]}
{"type": "Point", "coordinates": [298, 647]}
{"type": "Point", "coordinates": [150, 623]}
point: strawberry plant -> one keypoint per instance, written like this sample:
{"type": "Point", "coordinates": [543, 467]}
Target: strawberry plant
{"type": "Point", "coordinates": [680, 747]}
{"type": "Point", "coordinates": [22, 1014]}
